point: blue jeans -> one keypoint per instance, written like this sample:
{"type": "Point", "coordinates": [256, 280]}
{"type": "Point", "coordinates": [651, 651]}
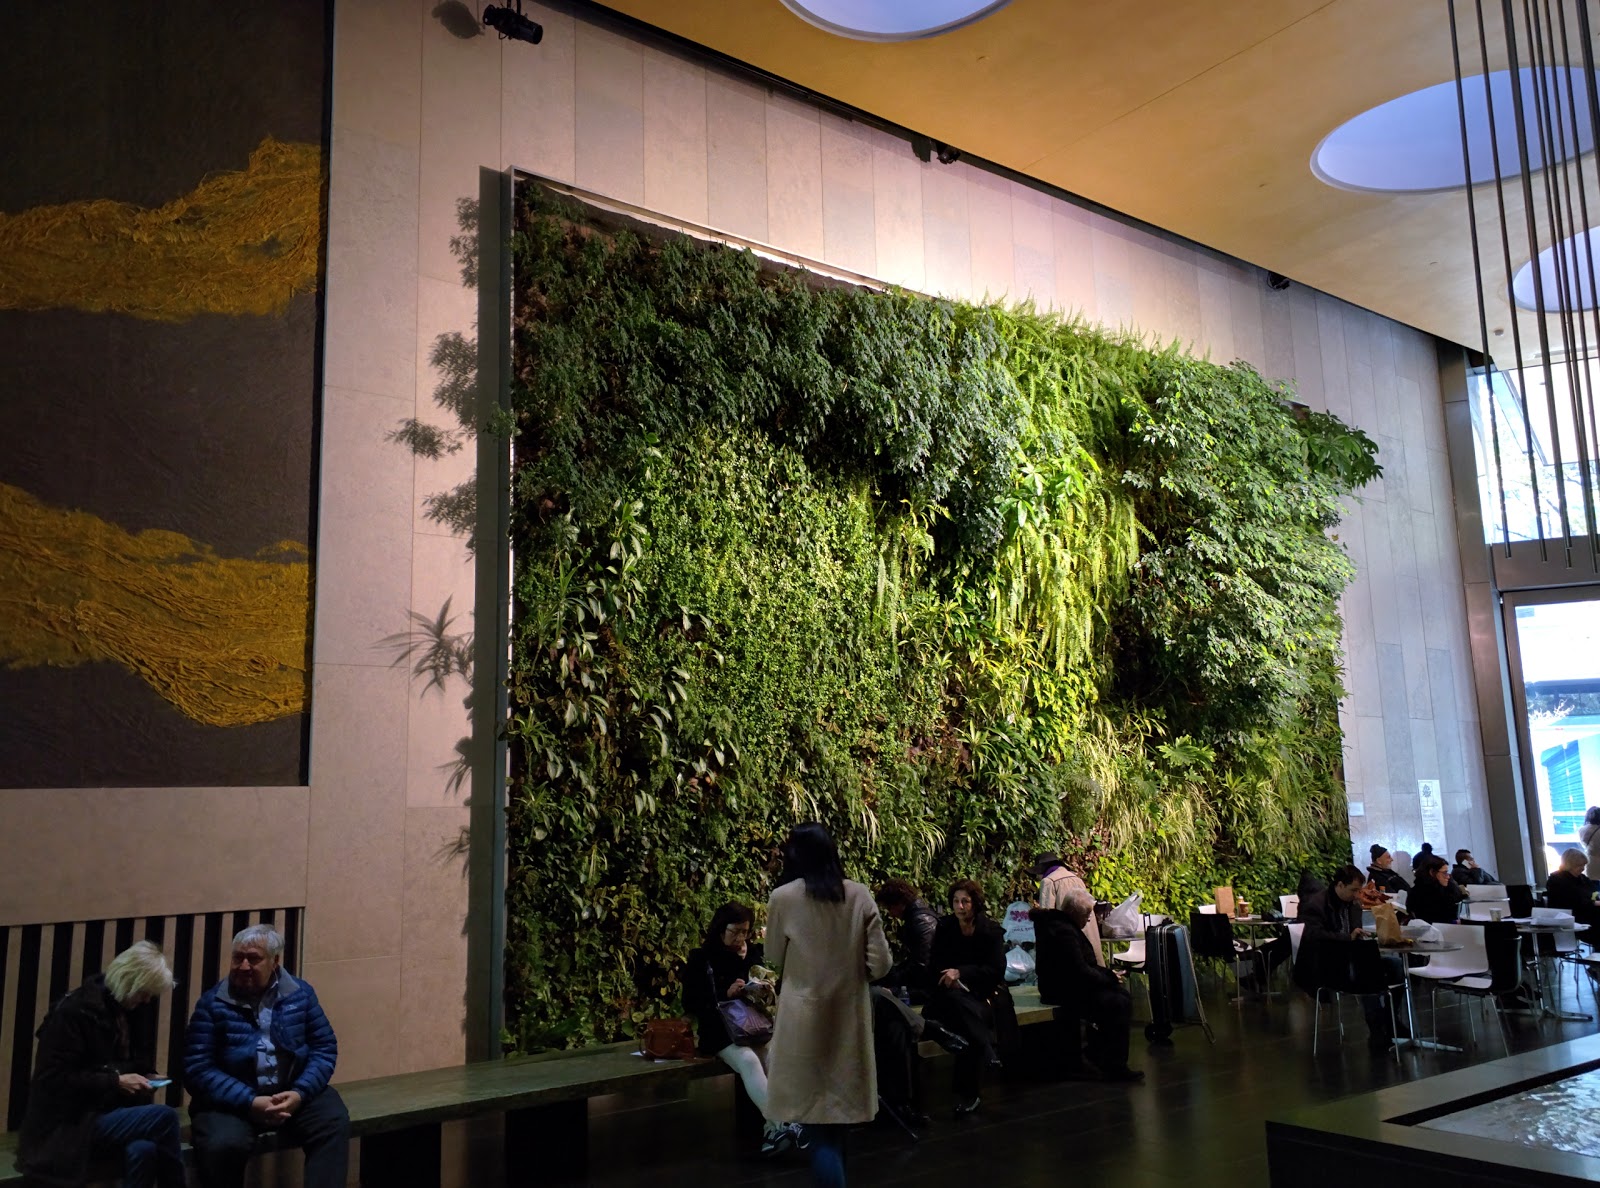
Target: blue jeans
{"type": "Point", "coordinates": [827, 1155]}
{"type": "Point", "coordinates": [148, 1138]}
{"type": "Point", "coordinates": [321, 1127]}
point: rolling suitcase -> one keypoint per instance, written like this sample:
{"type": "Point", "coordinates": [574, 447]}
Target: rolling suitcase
{"type": "Point", "coordinates": [1174, 993]}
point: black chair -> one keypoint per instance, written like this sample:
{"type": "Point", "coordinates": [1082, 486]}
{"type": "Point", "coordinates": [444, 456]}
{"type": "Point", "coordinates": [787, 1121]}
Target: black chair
{"type": "Point", "coordinates": [1350, 967]}
{"type": "Point", "coordinates": [1585, 959]}
{"type": "Point", "coordinates": [1521, 896]}
{"type": "Point", "coordinates": [1503, 951]}
{"type": "Point", "coordinates": [1211, 936]}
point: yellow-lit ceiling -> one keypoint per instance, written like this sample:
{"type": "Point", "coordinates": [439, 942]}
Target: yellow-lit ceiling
{"type": "Point", "coordinates": [1199, 116]}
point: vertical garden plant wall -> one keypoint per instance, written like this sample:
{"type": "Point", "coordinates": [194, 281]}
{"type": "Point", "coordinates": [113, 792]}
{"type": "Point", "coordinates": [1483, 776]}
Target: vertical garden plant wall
{"type": "Point", "coordinates": [964, 583]}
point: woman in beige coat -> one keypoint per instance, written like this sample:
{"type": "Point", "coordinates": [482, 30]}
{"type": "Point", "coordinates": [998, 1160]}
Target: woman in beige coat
{"type": "Point", "coordinates": [825, 935]}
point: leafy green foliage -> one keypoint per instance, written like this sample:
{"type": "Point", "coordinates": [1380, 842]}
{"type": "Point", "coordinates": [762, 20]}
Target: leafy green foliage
{"type": "Point", "coordinates": [964, 583]}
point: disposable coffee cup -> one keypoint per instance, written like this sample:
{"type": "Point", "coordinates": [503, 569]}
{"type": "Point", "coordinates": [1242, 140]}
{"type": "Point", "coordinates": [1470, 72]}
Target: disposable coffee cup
{"type": "Point", "coordinates": [1494, 915]}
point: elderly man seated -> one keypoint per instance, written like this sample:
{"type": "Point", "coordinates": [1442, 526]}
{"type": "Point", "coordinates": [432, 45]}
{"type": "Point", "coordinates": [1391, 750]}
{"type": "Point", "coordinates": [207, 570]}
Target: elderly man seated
{"type": "Point", "coordinates": [1070, 976]}
{"type": "Point", "coordinates": [258, 1056]}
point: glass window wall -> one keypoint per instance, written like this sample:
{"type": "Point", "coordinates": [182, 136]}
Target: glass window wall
{"type": "Point", "coordinates": [1523, 472]}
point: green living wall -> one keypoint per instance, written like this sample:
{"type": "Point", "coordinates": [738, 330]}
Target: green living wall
{"type": "Point", "coordinates": [962, 582]}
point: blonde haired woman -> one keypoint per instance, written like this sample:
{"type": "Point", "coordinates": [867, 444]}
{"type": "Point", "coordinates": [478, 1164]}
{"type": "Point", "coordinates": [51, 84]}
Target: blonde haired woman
{"type": "Point", "coordinates": [91, 1095]}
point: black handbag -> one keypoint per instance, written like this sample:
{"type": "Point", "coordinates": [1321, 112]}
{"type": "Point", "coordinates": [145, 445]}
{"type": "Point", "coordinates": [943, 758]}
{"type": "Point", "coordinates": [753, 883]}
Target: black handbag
{"type": "Point", "coordinates": [748, 1026]}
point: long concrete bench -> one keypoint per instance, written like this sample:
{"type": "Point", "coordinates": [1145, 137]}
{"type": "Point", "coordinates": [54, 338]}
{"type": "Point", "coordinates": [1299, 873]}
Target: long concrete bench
{"type": "Point", "coordinates": [545, 1099]}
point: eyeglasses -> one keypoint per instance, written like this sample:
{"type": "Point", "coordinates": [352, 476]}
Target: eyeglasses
{"type": "Point", "coordinates": [737, 929]}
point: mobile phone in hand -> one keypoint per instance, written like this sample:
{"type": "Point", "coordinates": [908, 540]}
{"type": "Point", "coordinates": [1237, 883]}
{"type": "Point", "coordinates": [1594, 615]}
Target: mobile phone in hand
{"type": "Point", "coordinates": [159, 1082]}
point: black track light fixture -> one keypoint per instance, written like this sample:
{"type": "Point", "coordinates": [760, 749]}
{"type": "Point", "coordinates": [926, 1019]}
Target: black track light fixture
{"type": "Point", "coordinates": [928, 149]}
{"type": "Point", "coordinates": [513, 24]}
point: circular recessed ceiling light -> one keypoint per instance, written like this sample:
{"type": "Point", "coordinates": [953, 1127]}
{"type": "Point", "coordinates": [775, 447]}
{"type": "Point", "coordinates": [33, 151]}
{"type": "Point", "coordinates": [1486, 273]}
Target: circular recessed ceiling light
{"type": "Point", "coordinates": [1580, 258]}
{"type": "Point", "coordinates": [1413, 143]}
{"type": "Point", "coordinates": [892, 20]}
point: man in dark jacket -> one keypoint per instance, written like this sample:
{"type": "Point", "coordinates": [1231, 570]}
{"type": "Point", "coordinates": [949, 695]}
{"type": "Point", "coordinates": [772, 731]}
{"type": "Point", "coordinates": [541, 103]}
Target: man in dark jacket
{"type": "Point", "coordinates": [1070, 978]}
{"type": "Point", "coordinates": [1468, 873]}
{"type": "Point", "coordinates": [259, 1053]}
{"type": "Point", "coordinates": [1332, 917]}
{"type": "Point", "coordinates": [913, 967]}
{"type": "Point", "coordinates": [1383, 873]}
{"type": "Point", "coordinates": [896, 1028]}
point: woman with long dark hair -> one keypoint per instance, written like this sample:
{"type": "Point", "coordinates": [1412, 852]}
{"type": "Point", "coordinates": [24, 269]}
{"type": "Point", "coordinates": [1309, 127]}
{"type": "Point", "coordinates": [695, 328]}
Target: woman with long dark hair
{"type": "Point", "coordinates": [1437, 897]}
{"type": "Point", "coordinates": [716, 972]}
{"type": "Point", "coordinates": [824, 933]}
{"type": "Point", "coordinates": [969, 965]}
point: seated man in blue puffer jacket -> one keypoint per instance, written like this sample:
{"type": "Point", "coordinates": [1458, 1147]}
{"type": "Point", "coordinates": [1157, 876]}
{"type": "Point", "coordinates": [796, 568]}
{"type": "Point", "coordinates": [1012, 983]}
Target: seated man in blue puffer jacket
{"type": "Point", "coordinates": [258, 1056]}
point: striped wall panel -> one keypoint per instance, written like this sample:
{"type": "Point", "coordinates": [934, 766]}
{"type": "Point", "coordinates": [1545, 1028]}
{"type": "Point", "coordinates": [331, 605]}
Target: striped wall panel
{"type": "Point", "coordinates": [39, 963]}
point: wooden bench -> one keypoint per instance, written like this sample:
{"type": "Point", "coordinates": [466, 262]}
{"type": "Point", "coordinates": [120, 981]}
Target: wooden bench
{"type": "Point", "coordinates": [545, 1099]}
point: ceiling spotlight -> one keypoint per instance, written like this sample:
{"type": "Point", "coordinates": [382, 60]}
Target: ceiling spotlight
{"type": "Point", "coordinates": [513, 24]}
{"type": "Point", "coordinates": [927, 149]}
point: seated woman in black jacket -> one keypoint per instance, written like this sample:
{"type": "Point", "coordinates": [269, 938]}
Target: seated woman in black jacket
{"type": "Point", "coordinates": [1437, 897]}
{"type": "Point", "coordinates": [969, 965]}
{"type": "Point", "coordinates": [1571, 889]}
{"type": "Point", "coordinates": [1070, 977]}
{"type": "Point", "coordinates": [716, 972]}
{"type": "Point", "coordinates": [91, 1093]}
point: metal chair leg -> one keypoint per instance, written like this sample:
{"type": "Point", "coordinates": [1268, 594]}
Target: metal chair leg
{"type": "Point", "coordinates": [1505, 1032]}
{"type": "Point", "coordinates": [1393, 1027]}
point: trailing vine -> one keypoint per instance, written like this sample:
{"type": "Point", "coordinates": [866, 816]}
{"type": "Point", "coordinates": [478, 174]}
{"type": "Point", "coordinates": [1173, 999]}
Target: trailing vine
{"type": "Point", "coordinates": [963, 582]}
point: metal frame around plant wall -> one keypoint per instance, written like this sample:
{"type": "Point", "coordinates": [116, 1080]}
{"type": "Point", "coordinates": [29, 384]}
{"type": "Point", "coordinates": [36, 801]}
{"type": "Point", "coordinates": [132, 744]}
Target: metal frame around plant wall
{"type": "Point", "coordinates": [486, 855]}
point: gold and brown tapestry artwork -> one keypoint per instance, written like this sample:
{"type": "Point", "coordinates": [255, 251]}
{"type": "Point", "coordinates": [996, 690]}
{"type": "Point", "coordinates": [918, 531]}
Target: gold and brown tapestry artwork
{"type": "Point", "coordinates": [221, 638]}
{"type": "Point", "coordinates": [241, 242]}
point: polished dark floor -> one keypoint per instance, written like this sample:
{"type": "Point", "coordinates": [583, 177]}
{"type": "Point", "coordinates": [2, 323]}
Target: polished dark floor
{"type": "Point", "coordinates": [1196, 1120]}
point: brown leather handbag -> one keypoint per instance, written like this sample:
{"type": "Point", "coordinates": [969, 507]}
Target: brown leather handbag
{"type": "Point", "coordinates": [666, 1039]}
